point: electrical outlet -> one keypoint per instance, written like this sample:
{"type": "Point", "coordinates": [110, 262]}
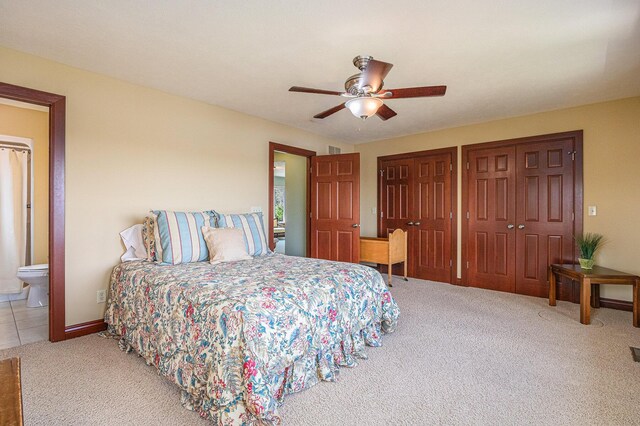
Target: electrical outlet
{"type": "Point", "coordinates": [256, 209]}
{"type": "Point", "coordinates": [373, 210]}
{"type": "Point", "coordinates": [101, 296]}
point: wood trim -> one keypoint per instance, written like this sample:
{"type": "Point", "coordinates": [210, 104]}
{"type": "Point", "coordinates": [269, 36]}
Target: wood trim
{"type": "Point", "coordinates": [90, 327]}
{"type": "Point", "coordinates": [57, 114]}
{"type": "Point", "coordinates": [454, 221]}
{"type": "Point", "coordinates": [273, 147]}
{"type": "Point", "coordinates": [419, 154]}
{"type": "Point", "coordinates": [578, 193]}
{"type": "Point", "coordinates": [453, 151]}
{"type": "Point", "coordinates": [517, 141]}
{"type": "Point", "coordinates": [291, 150]}
{"type": "Point", "coordinates": [621, 305]}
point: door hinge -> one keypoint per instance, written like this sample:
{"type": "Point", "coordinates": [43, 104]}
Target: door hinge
{"type": "Point", "coordinates": [450, 263]}
{"type": "Point", "coordinates": [573, 155]}
{"type": "Point", "coordinates": [381, 172]}
{"type": "Point", "coordinates": [310, 170]}
{"type": "Point", "coordinates": [467, 264]}
{"type": "Point", "coordinates": [467, 215]}
{"type": "Point", "coordinates": [450, 167]}
{"type": "Point", "coordinates": [467, 165]}
{"type": "Point", "coordinates": [573, 217]}
{"type": "Point", "coordinates": [450, 215]}
{"type": "Point", "coordinates": [381, 214]}
{"type": "Point", "coordinates": [310, 215]}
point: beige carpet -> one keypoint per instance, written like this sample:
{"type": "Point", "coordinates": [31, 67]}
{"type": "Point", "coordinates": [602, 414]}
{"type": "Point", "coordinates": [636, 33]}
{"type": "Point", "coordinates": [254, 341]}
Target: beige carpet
{"type": "Point", "coordinates": [459, 356]}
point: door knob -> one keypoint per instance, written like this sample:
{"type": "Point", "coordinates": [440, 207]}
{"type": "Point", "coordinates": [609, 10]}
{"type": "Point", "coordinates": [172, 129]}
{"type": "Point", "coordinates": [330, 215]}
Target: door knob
{"type": "Point", "coordinates": [416, 224]}
{"type": "Point", "coordinates": [510, 226]}
{"type": "Point", "coordinates": [410, 223]}
{"type": "Point", "coordinates": [355, 225]}
{"type": "Point", "coordinates": [521, 226]}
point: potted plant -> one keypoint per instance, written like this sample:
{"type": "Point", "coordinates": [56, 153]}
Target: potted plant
{"type": "Point", "coordinates": [588, 244]}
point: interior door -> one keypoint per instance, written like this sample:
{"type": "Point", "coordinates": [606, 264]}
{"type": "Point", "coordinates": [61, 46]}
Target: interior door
{"type": "Point", "coordinates": [396, 195]}
{"type": "Point", "coordinates": [416, 196]}
{"type": "Point", "coordinates": [432, 218]}
{"type": "Point", "coordinates": [335, 207]}
{"type": "Point", "coordinates": [544, 230]}
{"type": "Point", "coordinates": [491, 244]}
{"type": "Point", "coordinates": [396, 204]}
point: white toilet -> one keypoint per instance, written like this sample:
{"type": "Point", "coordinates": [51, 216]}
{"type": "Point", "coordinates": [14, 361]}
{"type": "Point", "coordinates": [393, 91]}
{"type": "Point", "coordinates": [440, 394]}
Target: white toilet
{"type": "Point", "coordinates": [37, 276]}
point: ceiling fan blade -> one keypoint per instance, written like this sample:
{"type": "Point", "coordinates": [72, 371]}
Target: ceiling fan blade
{"type": "Point", "coordinates": [415, 92]}
{"type": "Point", "coordinates": [385, 113]}
{"type": "Point", "coordinates": [374, 74]}
{"type": "Point", "coordinates": [310, 90]}
{"type": "Point", "coordinates": [325, 114]}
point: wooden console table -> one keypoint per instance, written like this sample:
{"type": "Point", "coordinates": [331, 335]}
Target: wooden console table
{"type": "Point", "coordinates": [589, 277]}
{"type": "Point", "coordinates": [10, 392]}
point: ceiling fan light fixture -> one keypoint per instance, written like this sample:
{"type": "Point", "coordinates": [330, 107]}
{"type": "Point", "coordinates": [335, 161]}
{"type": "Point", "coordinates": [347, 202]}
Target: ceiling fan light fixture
{"type": "Point", "coordinates": [364, 107]}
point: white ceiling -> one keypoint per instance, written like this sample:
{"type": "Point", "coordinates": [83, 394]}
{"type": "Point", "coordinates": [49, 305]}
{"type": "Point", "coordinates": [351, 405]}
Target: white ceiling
{"type": "Point", "coordinates": [499, 58]}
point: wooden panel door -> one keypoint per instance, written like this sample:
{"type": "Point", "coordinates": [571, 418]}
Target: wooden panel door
{"type": "Point", "coordinates": [416, 195]}
{"type": "Point", "coordinates": [491, 243]}
{"type": "Point", "coordinates": [432, 218]}
{"type": "Point", "coordinates": [335, 207]}
{"type": "Point", "coordinates": [396, 195]}
{"type": "Point", "coordinates": [544, 230]}
{"type": "Point", "coordinates": [396, 204]}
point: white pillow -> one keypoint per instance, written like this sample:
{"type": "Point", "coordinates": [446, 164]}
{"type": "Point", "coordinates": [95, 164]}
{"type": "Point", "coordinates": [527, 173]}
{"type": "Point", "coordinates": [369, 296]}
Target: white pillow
{"type": "Point", "coordinates": [133, 243]}
{"type": "Point", "coordinates": [225, 244]}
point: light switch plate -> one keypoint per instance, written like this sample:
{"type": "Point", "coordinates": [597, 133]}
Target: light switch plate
{"type": "Point", "coordinates": [373, 210]}
{"type": "Point", "coordinates": [101, 296]}
{"type": "Point", "coordinates": [592, 211]}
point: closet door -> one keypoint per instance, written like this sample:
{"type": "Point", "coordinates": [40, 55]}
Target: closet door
{"type": "Point", "coordinates": [491, 243]}
{"type": "Point", "coordinates": [416, 195]}
{"type": "Point", "coordinates": [432, 218]}
{"type": "Point", "coordinates": [396, 195]}
{"type": "Point", "coordinates": [544, 230]}
{"type": "Point", "coordinates": [396, 203]}
{"type": "Point", "coordinates": [522, 197]}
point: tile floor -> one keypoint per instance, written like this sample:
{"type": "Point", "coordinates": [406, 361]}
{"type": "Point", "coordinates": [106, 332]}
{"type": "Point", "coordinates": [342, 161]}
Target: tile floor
{"type": "Point", "coordinates": [20, 325]}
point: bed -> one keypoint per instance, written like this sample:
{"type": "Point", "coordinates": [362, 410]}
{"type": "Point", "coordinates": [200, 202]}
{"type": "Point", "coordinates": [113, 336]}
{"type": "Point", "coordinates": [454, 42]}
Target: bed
{"type": "Point", "coordinates": [239, 336]}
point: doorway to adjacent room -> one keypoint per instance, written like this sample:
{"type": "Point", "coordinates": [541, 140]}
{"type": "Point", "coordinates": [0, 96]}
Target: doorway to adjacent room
{"type": "Point", "coordinates": [55, 244]}
{"type": "Point", "coordinates": [289, 199]}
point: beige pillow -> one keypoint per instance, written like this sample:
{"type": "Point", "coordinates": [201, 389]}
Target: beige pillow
{"type": "Point", "coordinates": [225, 244]}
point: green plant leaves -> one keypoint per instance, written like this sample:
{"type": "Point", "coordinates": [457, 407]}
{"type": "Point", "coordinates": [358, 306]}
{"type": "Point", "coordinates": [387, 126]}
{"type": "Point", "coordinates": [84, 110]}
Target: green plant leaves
{"type": "Point", "coordinates": [589, 243]}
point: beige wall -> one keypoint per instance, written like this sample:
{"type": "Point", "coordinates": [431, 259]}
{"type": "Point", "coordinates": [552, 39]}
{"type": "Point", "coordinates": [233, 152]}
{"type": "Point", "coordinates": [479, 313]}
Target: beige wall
{"type": "Point", "coordinates": [130, 149]}
{"type": "Point", "coordinates": [32, 124]}
{"type": "Point", "coordinates": [611, 170]}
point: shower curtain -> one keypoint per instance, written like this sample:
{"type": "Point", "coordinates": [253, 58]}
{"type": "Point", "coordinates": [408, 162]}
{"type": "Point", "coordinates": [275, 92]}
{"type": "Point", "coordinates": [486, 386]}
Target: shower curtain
{"type": "Point", "coordinates": [13, 217]}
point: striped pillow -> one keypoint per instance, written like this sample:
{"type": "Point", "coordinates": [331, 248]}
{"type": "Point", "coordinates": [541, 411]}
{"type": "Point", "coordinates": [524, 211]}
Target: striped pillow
{"type": "Point", "coordinates": [253, 227]}
{"type": "Point", "coordinates": [179, 236]}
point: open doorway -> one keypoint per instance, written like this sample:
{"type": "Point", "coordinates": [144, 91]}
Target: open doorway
{"type": "Point", "coordinates": [289, 194]}
{"type": "Point", "coordinates": [53, 249]}
{"type": "Point", "coordinates": [24, 213]}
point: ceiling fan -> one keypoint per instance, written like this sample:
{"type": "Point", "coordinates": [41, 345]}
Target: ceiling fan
{"type": "Point", "coordinates": [366, 93]}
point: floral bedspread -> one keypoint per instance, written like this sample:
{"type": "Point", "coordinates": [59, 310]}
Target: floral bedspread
{"type": "Point", "coordinates": [237, 337]}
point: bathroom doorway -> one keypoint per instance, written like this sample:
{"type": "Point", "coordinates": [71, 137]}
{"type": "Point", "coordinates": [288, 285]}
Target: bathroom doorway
{"type": "Point", "coordinates": [288, 220]}
{"type": "Point", "coordinates": [54, 246]}
{"type": "Point", "coordinates": [24, 214]}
